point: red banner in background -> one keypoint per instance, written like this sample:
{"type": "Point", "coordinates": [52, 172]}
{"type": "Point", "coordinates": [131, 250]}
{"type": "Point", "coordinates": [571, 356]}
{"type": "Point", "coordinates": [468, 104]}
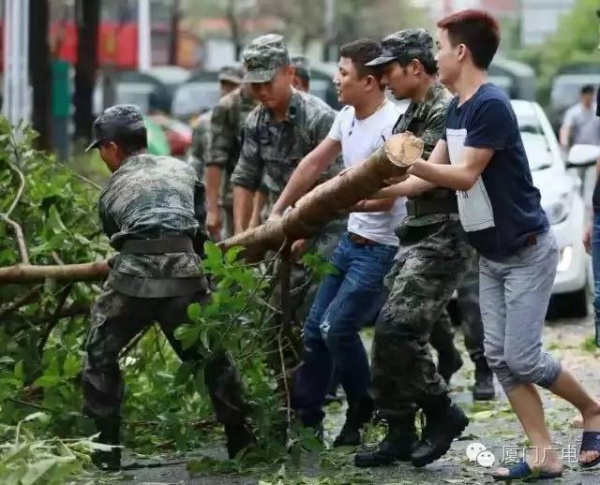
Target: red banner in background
{"type": "Point", "coordinates": [117, 43]}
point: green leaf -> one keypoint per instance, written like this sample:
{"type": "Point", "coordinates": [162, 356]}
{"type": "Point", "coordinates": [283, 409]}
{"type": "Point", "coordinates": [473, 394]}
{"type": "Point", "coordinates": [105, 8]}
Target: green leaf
{"type": "Point", "coordinates": [194, 312]}
{"type": "Point", "coordinates": [71, 366]}
{"type": "Point", "coordinates": [55, 221]}
{"type": "Point", "coordinates": [19, 374]}
{"type": "Point", "coordinates": [39, 416]}
{"type": "Point", "coordinates": [214, 256]}
{"type": "Point", "coordinates": [183, 373]}
{"type": "Point", "coordinates": [36, 471]}
{"type": "Point", "coordinates": [47, 381]}
{"type": "Point", "coordinates": [188, 335]}
{"type": "Point", "coordinates": [232, 253]}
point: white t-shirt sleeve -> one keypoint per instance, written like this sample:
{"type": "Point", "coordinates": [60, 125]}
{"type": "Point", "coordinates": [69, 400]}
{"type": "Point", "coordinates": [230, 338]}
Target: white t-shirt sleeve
{"type": "Point", "coordinates": [335, 133]}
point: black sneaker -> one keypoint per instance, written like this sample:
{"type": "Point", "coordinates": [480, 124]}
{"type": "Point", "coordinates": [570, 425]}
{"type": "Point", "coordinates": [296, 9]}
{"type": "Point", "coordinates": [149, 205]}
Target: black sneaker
{"type": "Point", "coordinates": [110, 429]}
{"type": "Point", "coordinates": [483, 390]}
{"type": "Point", "coordinates": [442, 426]}
{"type": "Point", "coordinates": [393, 448]}
{"type": "Point", "coordinates": [356, 417]}
{"type": "Point", "coordinates": [449, 364]}
{"type": "Point", "coordinates": [238, 437]}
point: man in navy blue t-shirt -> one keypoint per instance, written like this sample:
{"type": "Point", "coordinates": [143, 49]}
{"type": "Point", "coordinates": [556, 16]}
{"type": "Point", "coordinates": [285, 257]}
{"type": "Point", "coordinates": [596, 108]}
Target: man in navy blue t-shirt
{"type": "Point", "coordinates": [481, 156]}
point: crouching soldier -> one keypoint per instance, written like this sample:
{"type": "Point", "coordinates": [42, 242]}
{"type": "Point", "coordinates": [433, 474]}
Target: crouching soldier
{"type": "Point", "coordinates": [152, 211]}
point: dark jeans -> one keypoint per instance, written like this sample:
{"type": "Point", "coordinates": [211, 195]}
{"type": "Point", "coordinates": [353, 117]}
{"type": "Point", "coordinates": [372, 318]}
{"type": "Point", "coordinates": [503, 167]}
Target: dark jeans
{"type": "Point", "coordinates": [345, 301]}
{"type": "Point", "coordinates": [596, 269]}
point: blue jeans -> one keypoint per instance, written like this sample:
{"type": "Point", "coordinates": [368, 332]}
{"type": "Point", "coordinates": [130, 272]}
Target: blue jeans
{"type": "Point", "coordinates": [596, 270]}
{"type": "Point", "coordinates": [345, 302]}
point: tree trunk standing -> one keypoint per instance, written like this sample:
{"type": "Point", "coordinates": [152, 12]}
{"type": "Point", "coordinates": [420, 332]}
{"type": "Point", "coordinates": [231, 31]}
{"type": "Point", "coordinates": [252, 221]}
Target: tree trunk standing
{"type": "Point", "coordinates": [174, 37]}
{"type": "Point", "coordinates": [234, 25]}
{"type": "Point", "coordinates": [40, 72]}
{"type": "Point", "coordinates": [88, 17]}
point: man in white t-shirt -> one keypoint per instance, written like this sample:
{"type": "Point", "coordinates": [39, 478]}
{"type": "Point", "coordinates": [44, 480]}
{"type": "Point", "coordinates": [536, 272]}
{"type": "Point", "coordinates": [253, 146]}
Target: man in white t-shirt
{"type": "Point", "coordinates": [351, 297]}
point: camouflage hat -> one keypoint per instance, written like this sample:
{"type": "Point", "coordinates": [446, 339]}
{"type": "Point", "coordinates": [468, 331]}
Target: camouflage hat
{"type": "Point", "coordinates": [302, 65]}
{"type": "Point", "coordinates": [263, 57]}
{"type": "Point", "coordinates": [117, 122]}
{"type": "Point", "coordinates": [405, 45]}
{"type": "Point", "coordinates": [232, 74]}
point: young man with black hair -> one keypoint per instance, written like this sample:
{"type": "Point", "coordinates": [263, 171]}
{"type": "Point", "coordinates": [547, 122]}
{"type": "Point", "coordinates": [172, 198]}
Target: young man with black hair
{"type": "Point", "coordinates": [347, 299]}
{"type": "Point", "coordinates": [481, 156]}
{"type": "Point", "coordinates": [153, 213]}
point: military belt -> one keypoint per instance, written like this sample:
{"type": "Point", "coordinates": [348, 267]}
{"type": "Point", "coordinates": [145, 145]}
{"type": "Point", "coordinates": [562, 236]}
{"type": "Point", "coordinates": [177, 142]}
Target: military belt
{"type": "Point", "coordinates": [158, 246]}
{"type": "Point", "coordinates": [427, 207]}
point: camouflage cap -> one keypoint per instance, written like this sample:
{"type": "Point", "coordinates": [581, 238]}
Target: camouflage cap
{"type": "Point", "coordinates": [117, 122]}
{"type": "Point", "coordinates": [263, 57]}
{"type": "Point", "coordinates": [232, 74]}
{"type": "Point", "coordinates": [302, 65]}
{"type": "Point", "coordinates": [405, 45]}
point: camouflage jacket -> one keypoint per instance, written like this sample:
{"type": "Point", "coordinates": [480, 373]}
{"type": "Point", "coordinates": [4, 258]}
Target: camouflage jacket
{"type": "Point", "coordinates": [199, 150]}
{"type": "Point", "coordinates": [151, 197]}
{"type": "Point", "coordinates": [226, 132]}
{"type": "Point", "coordinates": [427, 120]}
{"type": "Point", "coordinates": [272, 150]}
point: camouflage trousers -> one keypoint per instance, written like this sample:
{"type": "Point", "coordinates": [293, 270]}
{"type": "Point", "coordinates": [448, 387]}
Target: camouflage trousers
{"type": "Point", "coordinates": [426, 274]}
{"type": "Point", "coordinates": [116, 320]}
{"type": "Point", "coordinates": [467, 301]}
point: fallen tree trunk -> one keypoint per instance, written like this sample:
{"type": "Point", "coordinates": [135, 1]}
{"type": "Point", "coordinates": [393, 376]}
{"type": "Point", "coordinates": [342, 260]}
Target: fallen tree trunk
{"type": "Point", "coordinates": [328, 200]}
{"type": "Point", "coordinates": [316, 209]}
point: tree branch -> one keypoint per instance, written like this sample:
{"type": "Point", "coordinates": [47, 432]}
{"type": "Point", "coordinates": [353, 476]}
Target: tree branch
{"type": "Point", "coordinates": [27, 273]}
{"type": "Point", "coordinates": [24, 300]}
{"type": "Point", "coordinates": [62, 299]}
{"type": "Point", "coordinates": [23, 253]}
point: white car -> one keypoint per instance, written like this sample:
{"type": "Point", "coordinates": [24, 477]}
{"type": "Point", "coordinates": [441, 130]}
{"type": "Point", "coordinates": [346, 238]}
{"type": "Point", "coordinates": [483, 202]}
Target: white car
{"type": "Point", "coordinates": [564, 206]}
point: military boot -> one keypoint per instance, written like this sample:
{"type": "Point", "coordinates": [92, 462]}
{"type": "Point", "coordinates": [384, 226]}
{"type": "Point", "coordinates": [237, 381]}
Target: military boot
{"type": "Point", "coordinates": [444, 421]}
{"type": "Point", "coordinates": [110, 428]}
{"type": "Point", "coordinates": [397, 445]}
{"type": "Point", "coordinates": [357, 416]}
{"type": "Point", "coordinates": [449, 362]}
{"type": "Point", "coordinates": [238, 437]}
{"type": "Point", "coordinates": [483, 390]}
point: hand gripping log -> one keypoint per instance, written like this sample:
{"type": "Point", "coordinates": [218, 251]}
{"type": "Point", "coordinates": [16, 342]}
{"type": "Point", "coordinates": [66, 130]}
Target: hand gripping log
{"type": "Point", "coordinates": [328, 200]}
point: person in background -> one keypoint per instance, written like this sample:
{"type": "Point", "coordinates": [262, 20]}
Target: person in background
{"type": "Point", "coordinates": [302, 77]}
{"type": "Point", "coordinates": [580, 124]}
{"type": "Point", "coordinates": [226, 139]}
{"type": "Point", "coordinates": [230, 78]}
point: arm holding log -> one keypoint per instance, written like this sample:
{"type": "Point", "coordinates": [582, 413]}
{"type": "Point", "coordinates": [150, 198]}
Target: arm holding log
{"type": "Point", "coordinates": [306, 174]}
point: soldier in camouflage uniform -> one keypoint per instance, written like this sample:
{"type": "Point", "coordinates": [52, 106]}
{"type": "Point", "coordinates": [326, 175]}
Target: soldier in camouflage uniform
{"type": "Point", "coordinates": [302, 75]}
{"type": "Point", "coordinates": [152, 209]}
{"type": "Point", "coordinates": [230, 78]}
{"type": "Point", "coordinates": [281, 131]}
{"type": "Point", "coordinates": [226, 137]}
{"type": "Point", "coordinates": [433, 258]}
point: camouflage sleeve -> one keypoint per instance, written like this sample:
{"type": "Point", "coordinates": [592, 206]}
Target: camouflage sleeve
{"type": "Point", "coordinates": [249, 171]}
{"type": "Point", "coordinates": [320, 130]}
{"type": "Point", "coordinates": [434, 129]}
{"type": "Point", "coordinates": [198, 153]}
{"type": "Point", "coordinates": [221, 134]}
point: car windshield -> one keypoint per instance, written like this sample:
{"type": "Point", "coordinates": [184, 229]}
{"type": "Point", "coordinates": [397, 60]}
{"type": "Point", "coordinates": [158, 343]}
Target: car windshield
{"type": "Point", "coordinates": [192, 98]}
{"type": "Point", "coordinates": [535, 142]}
